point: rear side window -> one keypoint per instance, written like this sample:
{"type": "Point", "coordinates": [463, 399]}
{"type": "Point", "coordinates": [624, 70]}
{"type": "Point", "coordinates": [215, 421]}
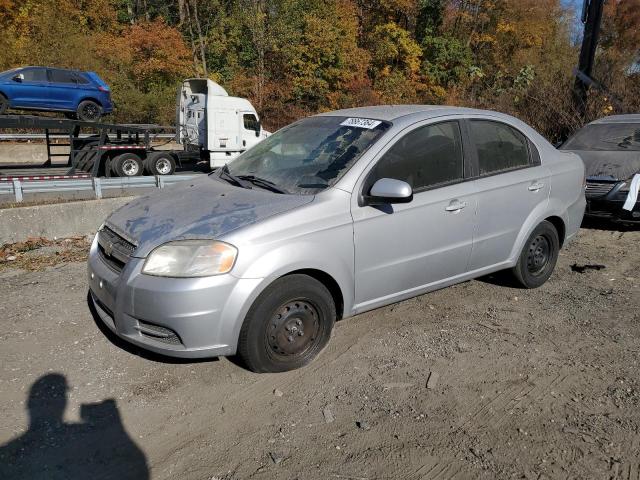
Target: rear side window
{"type": "Point", "coordinates": [425, 157]}
{"type": "Point", "coordinates": [81, 79]}
{"type": "Point", "coordinates": [500, 147]}
{"type": "Point", "coordinates": [62, 76]}
{"type": "Point", "coordinates": [34, 75]}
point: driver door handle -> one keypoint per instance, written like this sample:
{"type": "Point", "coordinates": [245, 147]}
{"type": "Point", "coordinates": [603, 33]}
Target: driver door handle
{"type": "Point", "coordinates": [534, 187]}
{"type": "Point", "coordinates": [455, 206]}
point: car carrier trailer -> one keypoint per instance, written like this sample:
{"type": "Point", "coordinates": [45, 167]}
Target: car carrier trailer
{"type": "Point", "coordinates": [109, 150]}
{"type": "Point", "coordinates": [211, 126]}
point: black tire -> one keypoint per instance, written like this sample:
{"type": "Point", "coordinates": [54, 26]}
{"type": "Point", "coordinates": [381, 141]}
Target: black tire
{"type": "Point", "coordinates": [89, 111]}
{"type": "Point", "coordinates": [86, 156]}
{"type": "Point", "coordinates": [287, 326]}
{"type": "Point", "coordinates": [160, 163]}
{"type": "Point", "coordinates": [4, 104]}
{"type": "Point", "coordinates": [127, 165]}
{"type": "Point", "coordinates": [538, 256]}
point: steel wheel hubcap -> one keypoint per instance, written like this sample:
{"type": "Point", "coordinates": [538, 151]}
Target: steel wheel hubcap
{"type": "Point", "coordinates": [538, 254]}
{"type": "Point", "coordinates": [163, 166]}
{"type": "Point", "coordinates": [130, 167]}
{"type": "Point", "coordinates": [293, 329]}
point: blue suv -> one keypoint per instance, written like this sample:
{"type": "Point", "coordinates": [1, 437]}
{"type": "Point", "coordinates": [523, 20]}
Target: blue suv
{"type": "Point", "coordinates": [81, 95]}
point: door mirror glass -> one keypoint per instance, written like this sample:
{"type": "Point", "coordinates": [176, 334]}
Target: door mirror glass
{"type": "Point", "coordinates": [389, 190]}
{"type": "Point", "coordinates": [18, 78]}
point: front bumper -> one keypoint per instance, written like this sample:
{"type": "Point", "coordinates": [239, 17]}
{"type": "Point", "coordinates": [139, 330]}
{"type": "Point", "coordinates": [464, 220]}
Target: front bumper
{"type": "Point", "coordinates": [179, 317]}
{"type": "Point", "coordinates": [609, 206]}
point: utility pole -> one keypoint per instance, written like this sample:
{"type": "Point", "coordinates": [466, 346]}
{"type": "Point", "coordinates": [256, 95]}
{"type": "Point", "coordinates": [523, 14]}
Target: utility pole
{"type": "Point", "coordinates": [591, 18]}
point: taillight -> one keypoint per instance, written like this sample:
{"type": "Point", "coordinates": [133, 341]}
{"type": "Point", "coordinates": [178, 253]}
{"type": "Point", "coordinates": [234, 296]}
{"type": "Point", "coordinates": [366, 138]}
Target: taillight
{"type": "Point", "coordinates": [103, 89]}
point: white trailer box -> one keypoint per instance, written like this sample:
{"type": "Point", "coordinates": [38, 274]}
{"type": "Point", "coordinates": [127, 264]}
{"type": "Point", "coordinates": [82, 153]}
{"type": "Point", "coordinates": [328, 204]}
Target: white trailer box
{"type": "Point", "coordinates": [209, 120]}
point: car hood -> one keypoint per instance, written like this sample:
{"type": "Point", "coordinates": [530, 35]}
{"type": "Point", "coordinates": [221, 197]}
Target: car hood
{"type": "Point", "coordinates": [616, 165]}
{"type": "Point", "coordinates": [205, 208]}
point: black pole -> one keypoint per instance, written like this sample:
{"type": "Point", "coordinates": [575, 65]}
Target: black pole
{"type": "Point", "coordinates": [592, 18]}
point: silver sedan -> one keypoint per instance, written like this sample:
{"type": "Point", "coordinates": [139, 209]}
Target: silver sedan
{"type": "Point", "coordinates": [332, 216]}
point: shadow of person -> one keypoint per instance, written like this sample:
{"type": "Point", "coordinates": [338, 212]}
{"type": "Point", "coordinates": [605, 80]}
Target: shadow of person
{"type": "Point", "coordinates": [96, 448]}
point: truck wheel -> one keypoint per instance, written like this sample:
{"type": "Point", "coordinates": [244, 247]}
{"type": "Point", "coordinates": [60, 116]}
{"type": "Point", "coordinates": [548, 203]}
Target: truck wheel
{"type": "Point", "coordinates": [4, 104]}
{"type": "Point", "coordinates": [89, 111]}
{"type": "Point", "coordinates": [288, 325]}
{"type": "Point", "coordinates": [538, 257]}
{"type": "Point", "coordinates": [127, 165]}
{"type": "Point", "coordinates": [160, 163]}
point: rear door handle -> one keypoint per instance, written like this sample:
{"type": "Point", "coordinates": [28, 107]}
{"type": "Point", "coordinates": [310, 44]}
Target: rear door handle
{"type": "Point", "coordinates": [534, 187]}
{"type": "Point", "coordinates": [455, 206]}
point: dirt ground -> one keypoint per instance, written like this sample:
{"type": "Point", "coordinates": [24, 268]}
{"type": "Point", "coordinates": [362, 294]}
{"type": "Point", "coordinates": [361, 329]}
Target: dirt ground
{"type": "Point", "coordinates": [479, 380]}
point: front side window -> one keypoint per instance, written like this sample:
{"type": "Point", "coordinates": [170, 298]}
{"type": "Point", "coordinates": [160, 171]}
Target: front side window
{"type": "Point", "coordinates": [500, 147]}
{"type": "Point", "coordinates": [425, 157]}
{"type": "Point", "coordinates": [311, 154]}
{"type": "Point", "coordinates": [34, 75]}
{"type": "Point", "coordinates": [250, 122]}
{"type": "Point", "coordinates": [62, 76]}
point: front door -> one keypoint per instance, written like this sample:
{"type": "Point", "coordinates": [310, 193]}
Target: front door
{"type": "Point", "coordinates": [402, 250]}
{"type": "Point", "coordinates": [29, 88]}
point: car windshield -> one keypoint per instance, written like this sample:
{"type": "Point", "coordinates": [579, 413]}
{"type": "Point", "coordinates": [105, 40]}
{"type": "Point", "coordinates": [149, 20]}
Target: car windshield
{"type": "Point", "coordinates": [612, 137]}
{"type": "Point", "coordinates": [309, 155]}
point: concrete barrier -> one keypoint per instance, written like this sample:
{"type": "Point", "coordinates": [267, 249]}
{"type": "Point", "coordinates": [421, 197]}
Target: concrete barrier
{"type": "Point", "coordinates": [56, 221]}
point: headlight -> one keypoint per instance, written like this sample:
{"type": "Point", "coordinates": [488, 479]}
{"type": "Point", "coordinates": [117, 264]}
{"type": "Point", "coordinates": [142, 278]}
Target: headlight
{"type": "Point", "coordinates": [191, 258]}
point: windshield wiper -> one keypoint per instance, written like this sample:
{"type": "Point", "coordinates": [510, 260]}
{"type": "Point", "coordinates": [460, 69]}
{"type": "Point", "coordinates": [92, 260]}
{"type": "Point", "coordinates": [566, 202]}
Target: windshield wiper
{"type": "Point", "coordinates": [262, 182]}
{"type": "Point", "coordinates": [224, 173]}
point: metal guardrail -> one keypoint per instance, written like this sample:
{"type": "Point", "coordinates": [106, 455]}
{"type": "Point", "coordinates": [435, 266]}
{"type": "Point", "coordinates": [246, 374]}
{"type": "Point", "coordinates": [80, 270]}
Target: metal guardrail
{"type": "Point", "coordinates": [42, 136]}
{"type": "Point", "coordinates": [19, 188]}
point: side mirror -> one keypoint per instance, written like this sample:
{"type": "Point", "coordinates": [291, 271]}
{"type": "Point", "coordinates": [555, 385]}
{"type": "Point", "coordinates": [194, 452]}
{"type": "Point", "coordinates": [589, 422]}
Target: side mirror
{"type": "Point", "coordinates": [18, 78]}
{"type": "Point", "coordinates": [389, 190]}
{"type": "Point", "coordinates": [258, 130]}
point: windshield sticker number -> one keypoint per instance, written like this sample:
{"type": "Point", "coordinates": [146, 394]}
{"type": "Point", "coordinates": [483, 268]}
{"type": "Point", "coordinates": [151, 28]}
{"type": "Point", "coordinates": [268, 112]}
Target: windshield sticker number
{"type": "Point", "coordinates": [361, 123]}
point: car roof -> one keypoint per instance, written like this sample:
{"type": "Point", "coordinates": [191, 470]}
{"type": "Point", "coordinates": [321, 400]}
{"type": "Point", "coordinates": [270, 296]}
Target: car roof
{"type": "Point", "coordinates": [630, 118]}
{"type": "Point", "coordinates": [392, 112]}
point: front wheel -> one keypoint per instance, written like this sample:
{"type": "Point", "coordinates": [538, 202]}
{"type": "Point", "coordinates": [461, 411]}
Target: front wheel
{"type": "Point", "coordinates": [288, 325]}
{"type": "Point", "coordinates": [538, 257]}
{"type": "Point", "coordinates": [4, 104]}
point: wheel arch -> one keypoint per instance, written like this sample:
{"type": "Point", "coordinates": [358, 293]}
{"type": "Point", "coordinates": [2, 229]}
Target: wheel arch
{"type": "Point", "coordinates": [560, 227]}
{"type": "Point", "coordinates": [328, 281]}
{"type": "Point", "coordinates": [93, 99]}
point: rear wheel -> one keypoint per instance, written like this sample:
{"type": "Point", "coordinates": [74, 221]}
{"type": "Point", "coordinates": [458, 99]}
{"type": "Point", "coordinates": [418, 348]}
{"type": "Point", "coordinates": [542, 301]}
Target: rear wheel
{"type": "Point", "coordinates": [127, 165]}
{"type": "Point", "coordinates": [4, 104]}
{"type": "Point", "coordinates": [288, 325]}
{"type": "Point", "coordinates": [538, 257]}
{"type": "Point", "coordinates": [89, 111]}
{"type": "Point", "coordinates": [160, 163]}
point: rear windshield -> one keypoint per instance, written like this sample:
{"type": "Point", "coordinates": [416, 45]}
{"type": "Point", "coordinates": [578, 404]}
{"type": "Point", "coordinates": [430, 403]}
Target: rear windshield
{"type": "Point", "coordinates": [310, 155]}
{"type": "Point", "coordinates": [612, 137]}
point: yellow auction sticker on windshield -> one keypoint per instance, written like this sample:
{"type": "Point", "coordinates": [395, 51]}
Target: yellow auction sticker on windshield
{"type": "Point", "coordinates": [361, 123]}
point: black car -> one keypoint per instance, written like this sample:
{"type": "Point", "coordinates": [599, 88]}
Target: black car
{"type": "Point", "coordinates": [610, 150]}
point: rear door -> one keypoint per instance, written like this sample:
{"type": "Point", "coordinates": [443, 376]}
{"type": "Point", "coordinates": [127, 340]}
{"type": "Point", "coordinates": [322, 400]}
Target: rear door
{"type": "Point", "coordinates": [402, 249]}
{"type": "Point", "coordinates": [511, 183]}
{"type": "Point", "coordinates": [32, 90]}
{"type": "Point", "coordinates": [63, 89]}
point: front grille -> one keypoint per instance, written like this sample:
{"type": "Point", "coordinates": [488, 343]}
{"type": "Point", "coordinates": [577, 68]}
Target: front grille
{"type": "Point", "coordinates": [598, 189]}
{"type": "Point", "coordinates": [156, 332]}
{"type": "Point", "coordinates": [114, 250]}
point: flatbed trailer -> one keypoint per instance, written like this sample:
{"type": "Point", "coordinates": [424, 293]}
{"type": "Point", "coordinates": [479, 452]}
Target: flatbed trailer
{"type": "Point", "coordinates": [111, 150]}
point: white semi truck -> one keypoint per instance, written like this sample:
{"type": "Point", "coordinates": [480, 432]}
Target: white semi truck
{"type": "Point", "coordinates": [214, 124]}
{"type": "Point", "coordinates": [210, 127]}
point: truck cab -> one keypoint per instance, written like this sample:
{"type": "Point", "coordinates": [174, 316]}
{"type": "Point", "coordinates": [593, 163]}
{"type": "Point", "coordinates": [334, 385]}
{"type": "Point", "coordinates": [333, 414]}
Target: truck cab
{"type": "Point", "coordinates": [217, 125]}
